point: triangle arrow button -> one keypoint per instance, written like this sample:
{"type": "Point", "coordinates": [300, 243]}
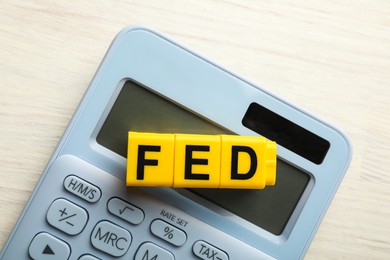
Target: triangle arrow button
{"type": "Point", "coordinates": [47, 246]}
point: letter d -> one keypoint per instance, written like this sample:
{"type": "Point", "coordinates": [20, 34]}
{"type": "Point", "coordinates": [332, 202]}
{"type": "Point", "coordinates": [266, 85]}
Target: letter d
{"type": "Point", "coordinates": [235, 175]}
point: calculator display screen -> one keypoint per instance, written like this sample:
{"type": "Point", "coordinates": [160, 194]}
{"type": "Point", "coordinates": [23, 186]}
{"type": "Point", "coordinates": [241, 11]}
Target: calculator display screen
{"type": "Point", "coordinates": [139, 109]}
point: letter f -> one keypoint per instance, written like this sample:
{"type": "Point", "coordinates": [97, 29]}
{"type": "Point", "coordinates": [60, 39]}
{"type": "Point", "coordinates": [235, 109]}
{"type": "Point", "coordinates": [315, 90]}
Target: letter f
{"type": "Point", "coordinates": [142, 162]}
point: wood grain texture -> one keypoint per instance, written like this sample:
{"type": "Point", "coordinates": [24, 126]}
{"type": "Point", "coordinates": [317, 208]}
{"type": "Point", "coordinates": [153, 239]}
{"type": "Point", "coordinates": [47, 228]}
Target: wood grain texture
{"type": "Point", "coordinates": [330, 57]}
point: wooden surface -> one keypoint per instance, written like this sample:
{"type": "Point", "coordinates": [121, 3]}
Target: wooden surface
{"type": "Point", "coordinates": [330, 57]}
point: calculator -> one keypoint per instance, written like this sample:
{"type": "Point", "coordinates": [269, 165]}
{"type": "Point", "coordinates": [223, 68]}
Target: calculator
{"type": "Point", "coordinates": [82, 209]}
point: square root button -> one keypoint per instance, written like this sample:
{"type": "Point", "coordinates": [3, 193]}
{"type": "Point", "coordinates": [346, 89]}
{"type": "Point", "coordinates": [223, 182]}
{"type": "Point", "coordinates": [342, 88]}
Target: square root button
{"type": "Point", "coordinates": [125, 211]}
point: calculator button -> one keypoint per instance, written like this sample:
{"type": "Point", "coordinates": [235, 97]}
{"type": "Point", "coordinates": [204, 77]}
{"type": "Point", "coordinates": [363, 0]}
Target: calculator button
{"type": "Point", "coordinates": [151, 251]}
{"type": "Point", "coordinates": [67, 216]}
{"type": "Point", "coordinates": [82, 188]}
{"type": "Point", "coordinates": [168, 232]}
{"type": "Point", "coordinates": [110, 238]}
{"type": "Point", "coordinates": [88, 257]}
{"type": "Point", "coordinates": [45, 246]}
{"type": "Point", "coordinates": [125, 211]}
{"type": "Point", "coordinates": [206, 251]}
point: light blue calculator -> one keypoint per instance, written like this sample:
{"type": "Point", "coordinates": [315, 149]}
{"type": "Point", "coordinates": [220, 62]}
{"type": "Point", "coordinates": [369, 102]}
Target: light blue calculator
{"type": "Point", "coordinates": [82, 209]}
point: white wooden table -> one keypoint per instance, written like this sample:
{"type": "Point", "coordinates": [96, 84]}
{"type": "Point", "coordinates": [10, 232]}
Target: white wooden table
{"type": "Point", "coordinates": [330, 57]}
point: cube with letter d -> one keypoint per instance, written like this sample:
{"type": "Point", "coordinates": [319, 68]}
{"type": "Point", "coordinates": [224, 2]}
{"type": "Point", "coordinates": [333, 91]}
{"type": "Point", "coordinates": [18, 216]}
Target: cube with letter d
{"type": "Point", "coordinates": [243, 162]}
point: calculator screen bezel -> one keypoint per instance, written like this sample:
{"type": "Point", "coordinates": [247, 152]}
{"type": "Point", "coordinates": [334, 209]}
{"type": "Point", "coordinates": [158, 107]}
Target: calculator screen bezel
{"type": "Point", "coordinates": [137, 108]}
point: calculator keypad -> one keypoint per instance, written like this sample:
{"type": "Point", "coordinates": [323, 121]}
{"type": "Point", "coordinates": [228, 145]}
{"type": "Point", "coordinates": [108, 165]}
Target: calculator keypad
{"type": "Point", "coordinates": [113, 230]}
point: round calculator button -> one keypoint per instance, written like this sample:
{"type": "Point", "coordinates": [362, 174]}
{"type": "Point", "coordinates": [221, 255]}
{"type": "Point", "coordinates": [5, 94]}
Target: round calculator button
{"type": "Point", "coordinates": [125, 211]}
{"type": "Point", "coordinates": [82, 188]}
{"type": "Point", "coordinates": [88, 257]}
{"type": "Point", "coordinates": [168, 232]}
{"type": "Point", "coordinates": [46, 246]}
{"type": "Point", "coordinates": [149, 250]}
{"type": "Point", "coordinates": [67, 216]}
{"type": "Point", "coordinates": [206, 251]}
{"type": "Point", "coordinates": [110, 238]}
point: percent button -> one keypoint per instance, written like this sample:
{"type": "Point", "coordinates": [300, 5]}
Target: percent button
{"type": "Point", "coordinates": [168, 232]}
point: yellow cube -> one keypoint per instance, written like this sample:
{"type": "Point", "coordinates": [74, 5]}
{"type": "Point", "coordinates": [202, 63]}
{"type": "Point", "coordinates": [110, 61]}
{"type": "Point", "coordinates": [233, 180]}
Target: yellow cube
{"type": "Point", "coordinates": [200, 161]}
{"type": "Point", "coordinates": [150, 159]}
{"type": "Point", "coordinates": [197, 161]}
{"type": "Point", "coordinates": [243, 162]}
